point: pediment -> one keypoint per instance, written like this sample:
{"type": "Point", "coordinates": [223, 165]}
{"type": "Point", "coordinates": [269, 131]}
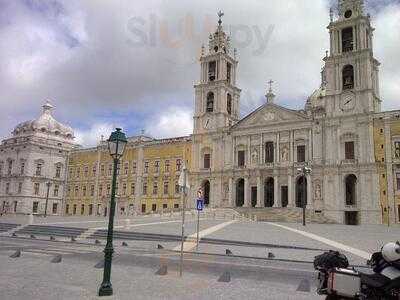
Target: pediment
{"type": "Point", "coordinates": [270, 114]}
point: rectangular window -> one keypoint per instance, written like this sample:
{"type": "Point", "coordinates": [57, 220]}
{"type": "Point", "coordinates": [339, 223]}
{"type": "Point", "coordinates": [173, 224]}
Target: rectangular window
{"type": "Point", "coordinates": [78, 172]}
{"type": "Point", "coordinates": [156, 167]}
{"type": "Point", "coordinates": [94, 170]}
{"type": "Point", "coordinates": [349, 150]}
{"type": "Point", "coordinates": [124, 189]}
{"type": "Point", "coordinates": [86, 171]}
{"type": "Point", "coordinates": [207, 161]}
{"type": "Point", "coordinates": [36, 186]}
{"type": "Point", "coordinates": [10, 164]}
{"type": "Point", "coordinates": [143, 208]}
{"type": "Point", "coordinates": [241, 158]}
{"type": "Point", "coordinates": [102, 170]}
{"type": "Point", "coordinates": [144, 188]}
{"type": "Point", "coordinates": [7, 188]}
{"type": "Point", "coordinates": [55, 207]}
{"type": "Point", "coordinates": [71, 172]}
{"type": "Point", "coordinates": [166, 188]}
{"type": "Point", "coordinates": [134, 167]}
{"type": "Point", "coordinates": [301, 153]}
{"type": "Point", "coordinates": [22, 171]}
{"type": "Point", "coordinates": [397, 150]}
{"type": "Point", "coordinates": [154, 207]}
{"type": "Point", "coordinates": [38, 169]}
{"type": "Point", "coordinates": [67, 209]}
{"type": "Point", "coordinates": [19, 187]}
{"type": "Point", "coordinates": [74, 209]}
{"type": "Point", "coordinates": [35, 207]}
{"type": "Point", "coordinates": [92, 190]}
{"type": "Point", "coordinates": [110, 170]}
{"type": "Point", "coordinates": [178, 164]}
{"type": "Point", "coordinates": [84, 191]}
{"type": "Point", "coordinates": [82, 209]}
{"type": "Point", "coordinates": [269, 152]}
{"type": "Point", "coordinates": [126, 168]}
{"type": "Point", "coordinates": [100, 190]}
{"type": "Point", "coordinates": [166, 166]}
{"type": "Point", "coordinates": [90, 209]}
{"type": "Point", "coordinates": [55, 191]}
{"type": "Point", "coordinates": [146, 167]}
{"type": "Point", "coordinates": [76, 191]}
{"type": "Point", "coordinates": [132, 188]}
{"type": "Point", "coordinates": [165, 206]}
{"type": "Point", "coordinates": [58, 171]}
{"type": "Point", "coordinates": [155, 188]}
{"type": "Point", "coordinates": [176, 205]}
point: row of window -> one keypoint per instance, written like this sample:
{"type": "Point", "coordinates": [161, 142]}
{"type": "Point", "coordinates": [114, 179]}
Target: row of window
{"type": "Point", "coordinates": [106, 189]}
{"type": "Point", "coordinates": [125, 171]}
{"type": "Point", "coordinates": [35, 208]}
{"type": "Point", "coordinates": [98, 211]}
{"type": "Point", "coordinates": [38, 168]}
{"type": "Point", "coordinates": [36, 188]}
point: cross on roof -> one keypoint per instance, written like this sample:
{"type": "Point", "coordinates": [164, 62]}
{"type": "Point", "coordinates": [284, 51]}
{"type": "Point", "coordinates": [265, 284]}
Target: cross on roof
{"type": "Point", "coordinates": [220, 15]}
{"type": "Point", "coordinates": [270, 84]}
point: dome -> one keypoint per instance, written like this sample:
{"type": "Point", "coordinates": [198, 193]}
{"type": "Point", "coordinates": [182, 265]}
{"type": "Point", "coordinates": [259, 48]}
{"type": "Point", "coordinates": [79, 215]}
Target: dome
{"type": "Point", "coordinates": [45, 123]}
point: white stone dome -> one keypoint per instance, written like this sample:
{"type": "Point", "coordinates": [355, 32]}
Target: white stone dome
{"type": "Point", "coordinates": [45, 123]}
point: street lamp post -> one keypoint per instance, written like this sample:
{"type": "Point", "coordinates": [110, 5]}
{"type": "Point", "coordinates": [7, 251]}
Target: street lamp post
{"type": "Point", "coordinates": [304, 171]}
{"type": "Point", "coordinates": [48, 184]}
{"type": "Point", "coordinates": [116, 147]}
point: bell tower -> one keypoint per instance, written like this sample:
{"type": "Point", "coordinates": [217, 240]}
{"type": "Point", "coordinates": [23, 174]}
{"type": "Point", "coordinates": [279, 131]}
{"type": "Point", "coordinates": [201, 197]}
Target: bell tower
{"type": "Point", "coordinates": [351, 71]}
{"type": "Point", "coordinates": [216, 95]}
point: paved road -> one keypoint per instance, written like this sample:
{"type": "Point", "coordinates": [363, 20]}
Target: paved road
{"type": "Point", "coordinates": [253, 275]}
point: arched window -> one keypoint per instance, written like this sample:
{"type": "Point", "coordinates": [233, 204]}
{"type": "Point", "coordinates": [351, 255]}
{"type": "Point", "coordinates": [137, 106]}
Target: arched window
{"type": "Point", "coordinates": [229, 103]}
{"type": "Point", "coordinates": [210, 102]}
{"type": "Point", "coordinates": [347, 39]}
{"type": "Point", "coordinates": [348, 77]}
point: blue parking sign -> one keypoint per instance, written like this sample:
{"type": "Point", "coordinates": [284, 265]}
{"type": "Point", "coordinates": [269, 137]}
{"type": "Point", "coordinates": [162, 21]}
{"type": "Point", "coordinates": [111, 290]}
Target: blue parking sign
{"type": "Point", "coordinates": [200, 204]}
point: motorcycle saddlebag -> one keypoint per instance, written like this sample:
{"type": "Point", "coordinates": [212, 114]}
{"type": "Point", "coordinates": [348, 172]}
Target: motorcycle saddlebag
{"type": "Point", "coordinates": [344, 282]}
{"type": "Point", "coordinates": [330, 260]}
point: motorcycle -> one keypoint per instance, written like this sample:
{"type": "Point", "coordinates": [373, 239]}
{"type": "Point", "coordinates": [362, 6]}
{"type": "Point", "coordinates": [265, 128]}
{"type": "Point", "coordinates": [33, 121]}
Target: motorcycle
{"type": "Point", "coordinates": [337, 280]}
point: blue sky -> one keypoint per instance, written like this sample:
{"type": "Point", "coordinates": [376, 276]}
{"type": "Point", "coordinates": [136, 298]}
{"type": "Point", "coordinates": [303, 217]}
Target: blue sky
{"type": "Point", "coordinates": [133, 64]}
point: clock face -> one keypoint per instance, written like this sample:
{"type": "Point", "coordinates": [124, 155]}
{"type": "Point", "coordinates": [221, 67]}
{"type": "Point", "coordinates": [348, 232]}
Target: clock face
{"type": "Point", "coordinates": [348, 101]}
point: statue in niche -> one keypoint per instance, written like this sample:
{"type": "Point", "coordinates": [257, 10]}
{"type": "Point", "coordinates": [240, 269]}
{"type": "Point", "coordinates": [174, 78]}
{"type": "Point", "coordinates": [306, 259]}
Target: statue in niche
{"type": "Point", "coordinates": [397, 149]}
{"type": "Point", "coordinates": [317, 192]}
{"type": "Point", "coordinates": [285, 154]}
{"type": "Point", "coordinates": [254, 156]}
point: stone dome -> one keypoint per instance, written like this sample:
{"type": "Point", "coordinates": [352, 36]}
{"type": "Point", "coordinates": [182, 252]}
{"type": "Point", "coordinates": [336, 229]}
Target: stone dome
{"type": "Point", "coordinates": [45, 123]}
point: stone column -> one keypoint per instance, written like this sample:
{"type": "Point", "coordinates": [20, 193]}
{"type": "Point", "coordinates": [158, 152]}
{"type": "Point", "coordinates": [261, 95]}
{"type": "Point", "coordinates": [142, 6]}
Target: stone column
{"type": "Point", "coordinates": [277, 201]}
{"type": "Point", "coordinates": [260, 192]}
{"type": "Point", "coordinates": [277, 159]}
{"type": "Point", "coordinates": [231, 193]}
{"type": "Point", "coordinates": [290, 191]}
{"type": "Point", "coordinates": [291, 142]}
{"type": "Point", "coordinates": [246, 192]}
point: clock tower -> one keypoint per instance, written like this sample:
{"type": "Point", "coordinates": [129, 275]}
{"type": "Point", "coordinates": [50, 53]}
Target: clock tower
{"type": "Point", "coordinates": [351, 71]}
{"type": "Point", "coordinates": [216, 95]}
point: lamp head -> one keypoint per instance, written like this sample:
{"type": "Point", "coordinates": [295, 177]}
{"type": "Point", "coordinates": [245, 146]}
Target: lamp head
{"type": "Point", "coordinates": [117, 143]}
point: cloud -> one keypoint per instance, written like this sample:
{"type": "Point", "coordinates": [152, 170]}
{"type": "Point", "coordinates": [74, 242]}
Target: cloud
{"type": "Point", "coordinates": [91, 136]}
{"type": "Point", "coordinates": [92, 57]}
{"type": "Point", "coordinates": [174, 122]}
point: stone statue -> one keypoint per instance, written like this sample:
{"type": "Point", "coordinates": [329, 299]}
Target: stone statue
{"type": "Point", "coordinates": [317, 194]}
{"type": "Point", "coordinates": [254, 156]}
{"type": "Point", "coordinates": [285, 154]}
{"type": "Point", "coordinates": [397, 149]}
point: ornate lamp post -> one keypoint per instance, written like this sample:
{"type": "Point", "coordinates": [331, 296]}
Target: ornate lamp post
{"type": "Point", "coordinates": [304, 171]}
{"type": "Point", "coordinates": [116, 146]}
{"type": "Point", "coordinates": [48, 184]}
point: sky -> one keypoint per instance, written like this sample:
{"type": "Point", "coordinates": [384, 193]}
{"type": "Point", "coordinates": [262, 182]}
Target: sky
{"type": "Point", "coordinates": [133, 64]}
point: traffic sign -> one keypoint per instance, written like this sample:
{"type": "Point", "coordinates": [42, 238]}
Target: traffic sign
{"type": "Point", "coordinates": [200, 204]}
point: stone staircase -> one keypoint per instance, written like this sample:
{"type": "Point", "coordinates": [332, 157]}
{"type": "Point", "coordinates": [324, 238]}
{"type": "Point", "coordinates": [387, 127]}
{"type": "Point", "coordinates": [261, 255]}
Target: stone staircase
{"type": "Point", "coordinates": [286, 215]}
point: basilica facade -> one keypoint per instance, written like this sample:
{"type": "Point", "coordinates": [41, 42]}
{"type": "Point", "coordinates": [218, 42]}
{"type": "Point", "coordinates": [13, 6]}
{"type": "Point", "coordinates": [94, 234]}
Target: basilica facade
{"type": "Point", "coordinates": [254, 161]}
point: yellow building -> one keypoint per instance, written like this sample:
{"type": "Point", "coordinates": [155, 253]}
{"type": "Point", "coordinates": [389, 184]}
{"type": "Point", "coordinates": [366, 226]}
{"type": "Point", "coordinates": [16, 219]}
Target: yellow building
{"type": "Point", "coordinates": [147, 177]}
{"type": "Point", "coordinates": [387, 154]}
